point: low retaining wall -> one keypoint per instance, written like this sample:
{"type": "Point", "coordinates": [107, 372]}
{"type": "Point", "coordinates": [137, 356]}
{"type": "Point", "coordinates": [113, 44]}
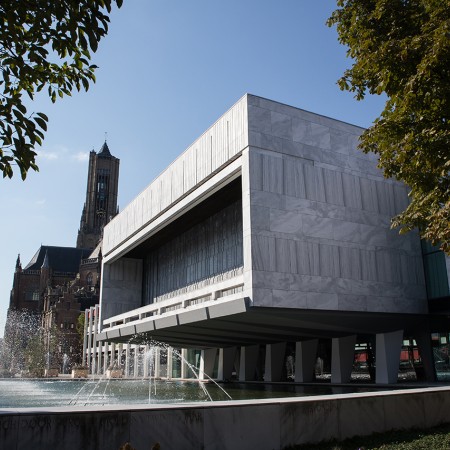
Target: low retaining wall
{"type": "Point", "coordinates": [246, 424]}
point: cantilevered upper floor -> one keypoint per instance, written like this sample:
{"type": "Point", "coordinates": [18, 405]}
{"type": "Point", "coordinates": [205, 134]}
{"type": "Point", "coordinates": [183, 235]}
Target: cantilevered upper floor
{"type": "Point", "coordinates": [271, 225]}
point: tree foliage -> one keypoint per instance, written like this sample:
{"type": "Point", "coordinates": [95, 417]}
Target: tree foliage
{"type": "Point", "coordinates": [44, 45]}
{"type": "Point", "coordinates": [402, 48]}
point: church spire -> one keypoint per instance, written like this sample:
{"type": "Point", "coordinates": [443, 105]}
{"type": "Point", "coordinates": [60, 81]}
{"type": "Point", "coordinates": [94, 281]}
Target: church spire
{"type": "Point", "coordinates": [104, 151]}
{"type": "Point", "coordinates": [18, 264]}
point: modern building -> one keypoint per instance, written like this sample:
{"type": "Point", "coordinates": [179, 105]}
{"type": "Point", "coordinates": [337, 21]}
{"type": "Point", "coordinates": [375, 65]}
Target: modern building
{"type": "Point", "coordinates": [270, 232]}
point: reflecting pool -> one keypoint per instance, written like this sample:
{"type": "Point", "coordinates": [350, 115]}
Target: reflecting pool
{"type": "Point", "coordinates": [19, 393]}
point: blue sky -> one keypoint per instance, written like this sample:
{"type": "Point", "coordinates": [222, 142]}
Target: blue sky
{"type": "Point", "coordinates": [167, 70]}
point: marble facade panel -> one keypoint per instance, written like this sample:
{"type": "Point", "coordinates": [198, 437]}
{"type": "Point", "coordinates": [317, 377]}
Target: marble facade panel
{"type": "Point", "coordinates": [385, 197]}
{"type": "Point", "coordinates": [321, 300]}
{"type": "Point", "coordinates": [369, 195]}
{"type": "Point", "coordinates": [282, 256]}
{"type": "Point", "coordinates": [301, 131]}
{"type": "Point", "coordinates": [317, 227]}
{"type": "Point", "coordinates": [259, 119]}
{"type": "Point", "coordinates": [351, 302]}
{"type": "Point", "coordinates": [333, 160]}
{"type": "Point", "coordinates": [272, 280]}
{"type": "Point", "coordinates": [268, 199]}
{"type": "Point", "coordinates": [350, 266]}
{"type": "Point", "coordinates": [266, 141]}
{"type": "Point", "coordinates": [263, 250]}
{"type": "Point", "coordinates": [289, 299]}
{"type": "Point", "coordinates": [294, 177]}
{"type": "Point", "coordinates": [272, 174]}
{"type": "Point", "coordinates": [339, 141]}
{"type": "Point", "coordinates": [260, 218]}
{"type": "Point", "coordinates": [320, 136]}
{"type": "Point", "coordinates": [299, 149]}
{"type": "Point", "coordinates": [364, 166]}
{"type": "Point", "coordinates": [329, 260]}
{"type": "Point", "coordinates": [346, 231]}
{"type": "Point", "coordinates": [351, 191]}
{"type": "Point", "coordinates": [262, 297]}
{"type": "Point", "coordinates": [333, 187]}
{"type": "Point", "coordinates": [285, 221]}
{"type": "Point", "coordinates": [281, 125]}
{"type": "Point", "coordinates": [373, 236]}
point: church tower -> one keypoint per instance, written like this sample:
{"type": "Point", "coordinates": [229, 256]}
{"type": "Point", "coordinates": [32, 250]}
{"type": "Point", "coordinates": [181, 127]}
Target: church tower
{"type": "Point", "coordinates": [101, 197]}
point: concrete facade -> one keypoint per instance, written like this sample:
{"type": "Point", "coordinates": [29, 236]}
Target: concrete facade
{"type": "Point", "coordinates": [312, 255]}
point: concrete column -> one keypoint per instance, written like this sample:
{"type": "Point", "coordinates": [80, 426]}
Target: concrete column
{"type": "Point", "coordinates": [127, 360]}
{"type": "Point", "coordinates": [207, 360]}
{"type": "Point", "coordinates": [99, 358]}
{"type": "Point", "coordinates": [137, 357]}
{"type": "Point", "coordinates": [91, 313]}
{"type": "Point", "coordinates": [274, 361]}
{"type": "Point", "coordinates": [305, 360]}
{"type": "Point", "coordinates": [387, 356]}
{"type": "Point", "coordinates": [113, 354]}
{"type": "Point", "coordinates": [423, 340]}
{"type": "Point", "coordinates": [169, 362]}
{"type": "Point", "coordinates": [157, 365]}
{"type": "Point", "coordinates": [85, 336]}
{"type": "Point", "coordinates": [184, 367]}
{"type": "Point", "coordinates": [105, 356]}
{"type": "Point", "coordinates": [119, 355]}
{"type": "Point", "coordinates": [342, 357]}
{"type": "Point", "coordinates": [226, 363]}
{"type": "Point", "coordinates": [247, 366]}
{"type": "Point", "coordinates": [94, 341]}
{"type": "Point", "coordinates": [146, 361]}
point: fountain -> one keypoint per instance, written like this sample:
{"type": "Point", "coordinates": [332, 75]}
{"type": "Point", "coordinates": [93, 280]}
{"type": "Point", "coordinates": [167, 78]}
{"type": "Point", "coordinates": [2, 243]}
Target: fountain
{"type": "Point", "coordinates": [105, 411]}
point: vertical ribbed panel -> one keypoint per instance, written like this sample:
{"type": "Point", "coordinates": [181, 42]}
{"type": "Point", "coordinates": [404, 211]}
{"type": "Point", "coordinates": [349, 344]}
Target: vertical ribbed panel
{"type": "Point", "coordinates": [206, 251]}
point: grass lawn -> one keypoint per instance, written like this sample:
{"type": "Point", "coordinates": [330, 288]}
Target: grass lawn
{"type": "Point", "coordinates": [437, 438]}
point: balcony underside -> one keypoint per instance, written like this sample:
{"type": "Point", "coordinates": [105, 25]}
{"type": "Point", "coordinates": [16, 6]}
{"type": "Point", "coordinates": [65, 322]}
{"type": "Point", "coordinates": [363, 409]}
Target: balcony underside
{"type": "Point", "coordinates": [237, 323]}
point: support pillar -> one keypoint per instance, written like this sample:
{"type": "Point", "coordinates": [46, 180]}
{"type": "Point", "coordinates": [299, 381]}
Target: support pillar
{"type": "Point", "coordinates": [226, 363]}
{"type": "Point", "coordinates": [274, 361]}
{"type": "Point", "coordinates": [119, 355]}
{"type": "Point", "coordinates": [95, 368]}
{"type": "Point", "coordinates": [169, 362]}
{"type": "Point", "coordinates": [85, 337]}
{"type": "Point", "coordinates": [305, 360]}
{"type": "Point", "coordinates": [207, 360]}
{"type": "Point", "coordinates": [342, 357]}
{"type": "Point", "coordinates": [387, 359]}
{"type": "Point", "coordinates": [113, 355]}
{"type": "Point", "coordinates": [127, 360]}
{"type": "Point", "coordinates": [183, 362]}
{"type": "Point", "coordinates": [247, 366]}
{"type": "Point", "coordinates": [99, 357]}
{"type": "Point", "coordinates": [137, 357]}
{"type": "Point", "coordinates": [423, 340]}
{"type": "Point", "coordinates": [91, 313]}
{"type": "Point", "coordinates": [146, 360]}
{"type": "Point", "coordinates": [105, 357]}
{"type": "Point", "coordinates": [157, 362]}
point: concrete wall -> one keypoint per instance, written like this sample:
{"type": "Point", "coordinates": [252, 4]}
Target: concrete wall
{"type": "Point", "coordinates": [121, 287]}
{"type": "Point", "coordinates": [261, 424]}
{"type": "Point", "coordinates": [320, 218]}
